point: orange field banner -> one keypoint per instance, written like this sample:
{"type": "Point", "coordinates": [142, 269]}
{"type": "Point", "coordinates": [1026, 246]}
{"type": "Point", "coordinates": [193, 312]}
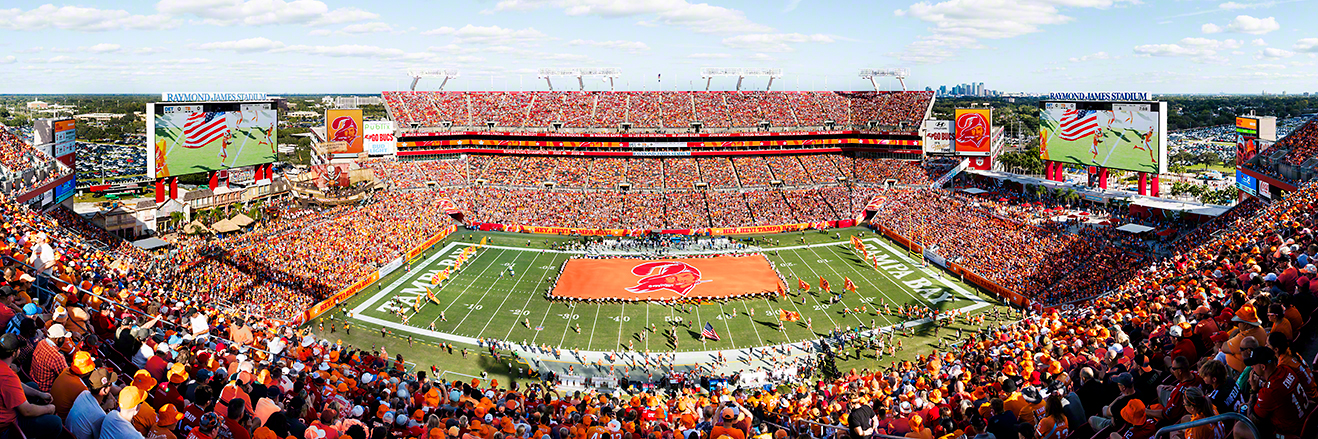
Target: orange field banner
{"type": "Point", "coordinates": [665, 279]}
{"type": "Point", "coordinates": [759, 229]}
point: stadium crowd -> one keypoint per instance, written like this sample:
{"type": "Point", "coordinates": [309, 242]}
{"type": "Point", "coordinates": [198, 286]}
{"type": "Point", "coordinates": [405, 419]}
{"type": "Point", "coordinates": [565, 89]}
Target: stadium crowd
{"type": "Point", "coordinates": [1205, 332]}
{"type": "Point", "coordinates": [659, 109]}
{"type": "Point", "coordinates": [121, 347]}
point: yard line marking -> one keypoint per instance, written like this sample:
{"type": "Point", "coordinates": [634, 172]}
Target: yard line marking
{"type": "Point", "coordinates": [812, 296]}
{"type": "Point", "coordinates": [484, 293]}
{"type": "Point", "coordinates": [887, 320]}
{"type": "Point", "coordinates": [723, 315]}
{"type": "Point", "coordinates": [549, 306]}
{"type": "Point", "coordinates": [516, 282]}
{"type": "Point", "coordinates": [759, 339]}
{"type": "Point", "coordinates": [593, 323]}
{"type": "Point", "coordinates": [621, 312]}
{"type": "Point", "coordinates": [841, 301]}
{"type": "Point", "coordinates": [454, 299]}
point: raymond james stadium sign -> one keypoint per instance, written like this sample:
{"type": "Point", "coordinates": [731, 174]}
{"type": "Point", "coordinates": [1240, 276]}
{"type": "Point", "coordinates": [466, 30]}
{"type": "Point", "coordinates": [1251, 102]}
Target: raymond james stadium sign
{"type": "Point", "coordinates": [1102, 96]}
{"type": "Point", "coordinates": [201, 97]}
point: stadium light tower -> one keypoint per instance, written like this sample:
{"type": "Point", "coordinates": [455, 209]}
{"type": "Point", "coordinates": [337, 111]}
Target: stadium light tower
{"type": "Point", "coordinates": [417, 74]}
{"type": "Point", "coordinates": [709, 73]}
{"type": "Point", "coordinates": [899, 73]}
{"type": "Point", "coordinates": [609, 73]}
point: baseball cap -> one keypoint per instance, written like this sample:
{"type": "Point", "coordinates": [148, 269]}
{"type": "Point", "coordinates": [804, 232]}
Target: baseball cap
{"type": "Point", "coordinates": [57, 331]}
{"type": "Point", "coordinates": [1260, 355]}
{"type": "Point", "coordinates": [1124, 379]}
{"type": "Point", "coordinates": [102, 377]}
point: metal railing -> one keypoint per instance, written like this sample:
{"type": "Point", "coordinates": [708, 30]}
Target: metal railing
{"type": "Point", "coordinates": [1209, 420]}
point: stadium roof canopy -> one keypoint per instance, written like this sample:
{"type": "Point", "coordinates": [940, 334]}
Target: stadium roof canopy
{"type": "Point", "coordinates": [150, 243]}
{"type": "Point", "coordinates": [1195, 208]}
{"type": "Point", "coordinates": [1134, 228]}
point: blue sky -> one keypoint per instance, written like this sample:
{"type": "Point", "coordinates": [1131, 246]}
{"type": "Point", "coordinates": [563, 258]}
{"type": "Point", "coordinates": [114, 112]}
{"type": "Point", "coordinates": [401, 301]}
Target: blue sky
{"type": "Point", "coordinates": [333, 46]}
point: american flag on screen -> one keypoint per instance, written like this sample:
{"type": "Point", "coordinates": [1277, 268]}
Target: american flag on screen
{"type": "Point", "coordinates": [204, 128]}
{"type": "Point", "coordinates": [708, 332]}
{"type": "Point", "coordinates": [1077, 124]}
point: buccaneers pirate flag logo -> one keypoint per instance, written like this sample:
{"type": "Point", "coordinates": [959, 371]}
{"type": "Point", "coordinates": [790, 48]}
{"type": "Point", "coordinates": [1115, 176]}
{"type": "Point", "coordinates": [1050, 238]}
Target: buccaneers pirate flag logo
{"type": "Point", "coordinates": [678, 277]}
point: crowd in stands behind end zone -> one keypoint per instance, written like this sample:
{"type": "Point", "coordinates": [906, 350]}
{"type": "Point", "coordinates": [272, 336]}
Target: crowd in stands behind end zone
{"type": "Point", "coordinates": [659, 109]}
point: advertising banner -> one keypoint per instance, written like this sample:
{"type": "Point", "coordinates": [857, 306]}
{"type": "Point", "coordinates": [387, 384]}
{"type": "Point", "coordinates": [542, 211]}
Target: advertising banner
{"type": "Point", "coordinates": [65, 190]}
{"type": "Point", "coordinates": [1247, 183]}
{"type": "Point", "coordinates": [981, 163]}
{"type": "Point", "coordinates": [938, 137]}
{"type": "Point", "coordinates": [380, 138]}
{"type": "Point", "coordinates": [1247, 135]}
{"type": "Point", "coordinates": [345, 126]}
{"type": "Point", "coordinates": [65, 141]}
{"type": "Point", "coordinates": [974, 130]}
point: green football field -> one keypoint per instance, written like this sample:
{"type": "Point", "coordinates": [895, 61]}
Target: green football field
{"type": "Point", "coordinates": [245, 149]}
{"type": "Point", "coordinates": [1116, 150]}
{"type": "Point", "coordinates": [484, 301]}
{"type": "Point", "coordinates": [422, 351]}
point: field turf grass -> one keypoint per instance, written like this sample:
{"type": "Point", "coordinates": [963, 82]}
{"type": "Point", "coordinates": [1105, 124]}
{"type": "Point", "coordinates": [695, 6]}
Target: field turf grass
{"type": "Point", "coordinates": [479, 303]}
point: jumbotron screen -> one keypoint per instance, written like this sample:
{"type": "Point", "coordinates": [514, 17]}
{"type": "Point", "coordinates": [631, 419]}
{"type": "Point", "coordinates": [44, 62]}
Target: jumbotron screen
{"type": "Point", "coordinates": [190, 138]}
{"type": "Point", "coordinates": [1129, 136]}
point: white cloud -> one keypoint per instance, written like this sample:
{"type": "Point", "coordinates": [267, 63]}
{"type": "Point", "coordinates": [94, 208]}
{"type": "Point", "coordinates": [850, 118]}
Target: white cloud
{"type": "Point", "coordinates": [366, 28]}
{"type": "Point", "coordinates": [102, 48]}
{"type": "Point", "coordinates": [149, 50]}
{"type": "Point", "coordinates": [351, 50]}
{"type": "Point", "coordinates": [1265, 66]}
{"type": "Point", "coordinates": [791, 5]}
{"type": "Point", "coordinates": [709, 56]}
{"type": "Point", "coordinates": [1246, 25]}
{"type": "Point", "coordinates": [82, 19]}
{"type": "Point", "coordinates": [259, 44]}
{"type": "Point", "coordinates": [1093, 56]}
{"type": "Point", "coordinates": [1258, 42]}
{"type": "Point", "coordinates": [59, 60]}
{"type": "Point", "coordinates": [959, 24]}
{"type": "Point", "coordinates": [627, 46]}
{"type": "Point", "coordinates": [491, 35]}
{"type": "Point", "coordinates": [1232, 6]}
{"type": "Point", "coordinates": [698, 17]}
{"type": "Point", "coordinates": [8, 60]}
{"type": "Point", "coordinates": [774, 42]}
{"type": "Point", "coordinates": [262, 12]}
{"type": "Point", "coordinates": [319, 32]}
{"type": "Point", "coordinates": [1309, 45]}
{"type": "Point", "coordinates": [1274, 53]}
{"type": "Point", "coordinates": [1197, 49]}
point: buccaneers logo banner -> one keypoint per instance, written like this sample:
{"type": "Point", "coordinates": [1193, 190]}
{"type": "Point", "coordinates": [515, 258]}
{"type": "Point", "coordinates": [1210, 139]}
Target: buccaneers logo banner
{"type": "Point", "coordinates": [974, 130]}
{"type": "Point", "coordinates": [666, 279]}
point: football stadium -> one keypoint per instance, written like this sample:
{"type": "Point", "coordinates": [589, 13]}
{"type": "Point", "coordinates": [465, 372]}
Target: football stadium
{"type": "Point", "coordinates": [652, 262]}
